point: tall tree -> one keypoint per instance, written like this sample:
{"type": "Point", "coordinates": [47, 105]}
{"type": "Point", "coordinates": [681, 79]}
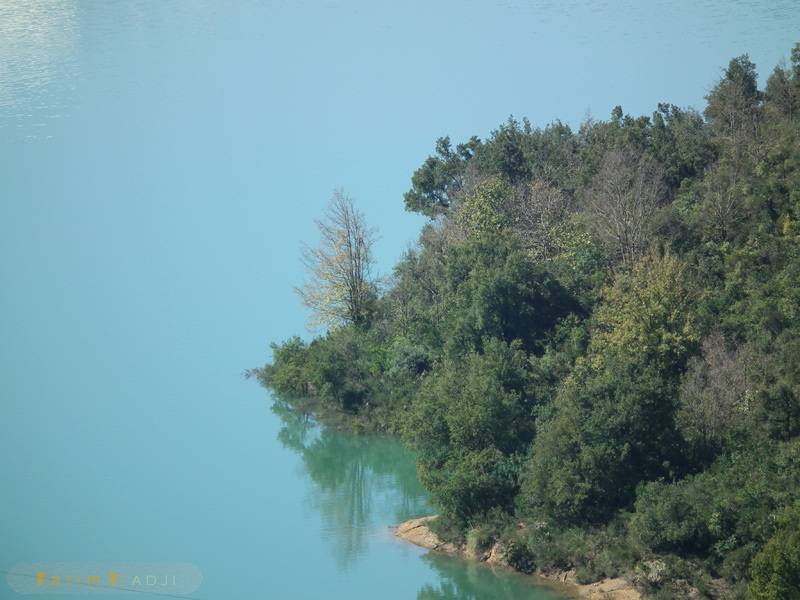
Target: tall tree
{"type": "Point", "coordinates": [623, 199]}
{"type": "Point", "coordinates": [441, 177]}
{"type": "Point", "coordinates": [715, 392]}
{"type": "Point", "coordinates": [783, 87]}
{"type": "Point", "coordinates": [733, 103]}
{"type": "Point", "coordinates": [341, 288]}
{"type": "Point", "coordinates": [648, 312]}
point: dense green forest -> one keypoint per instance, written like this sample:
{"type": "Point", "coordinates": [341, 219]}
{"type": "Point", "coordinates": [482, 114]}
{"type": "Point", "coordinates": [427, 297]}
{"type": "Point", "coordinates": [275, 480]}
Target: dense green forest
{"type": "Point", "coordinates": [594, 348]}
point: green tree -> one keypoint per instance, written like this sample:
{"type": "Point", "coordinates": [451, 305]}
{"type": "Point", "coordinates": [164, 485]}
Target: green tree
{"type": "Point", "coordinates": [611, 429]}
{"type": "Point", "coordinates": [540, 346]}
{"type": "Point", "coordinates": [733, 103]}
{"type": "Point", "coordinates": [782, 94]}
{"type": "Point", "coordinates": [288, 374]}
{"type": "Point", "coordinates": [493, 289]}
{"type": "Point", "coordinates": [776, 569]}
{"type": "Point", "coordinates": [469, 421]}
{"type": "Point", "coordinates": [486, 210]}
{"type": "Point", "coordinates": [440, 179]}
{"type": "Point", "coordinates": [681, 142]}
{"type": "Point", "coordinates": [648, 312]}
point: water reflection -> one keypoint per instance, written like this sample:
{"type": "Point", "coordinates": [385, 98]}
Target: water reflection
{"type": "Point", "coordinates": [462, 580]}
{"type": "Point", "coordinates": [38, 41]}
{"type": "Point", "coordinates": [361, 483]}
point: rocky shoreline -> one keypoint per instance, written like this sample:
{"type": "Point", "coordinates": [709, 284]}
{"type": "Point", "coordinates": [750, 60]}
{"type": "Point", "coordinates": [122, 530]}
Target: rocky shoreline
{"type": "Point", "coordinates": [419, 533]}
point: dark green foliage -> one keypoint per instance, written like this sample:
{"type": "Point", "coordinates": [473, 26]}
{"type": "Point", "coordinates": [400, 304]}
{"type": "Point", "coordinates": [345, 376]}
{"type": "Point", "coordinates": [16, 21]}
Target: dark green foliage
{"type": "Point", "coordinates": [733, 103]}
{"type": "Point", "coordinates": [341, 372]}
{"type": "Point", "coordinates": [594, 552]}
{"type": "Point", "coordinates": [436, 184]}
{"type": "Point", "coordinates": [783, 88]}
{"type": "Point", "coordinates": [594, 346]}
{"type": "Point", "coordinates": [493, 290]}
{"type": "Point", "coordinates": [342, 368]}
{"type": "Point", "coordinates": [288, 372]}
{"type": "Point", "coordinates": [681, 142]}
{"type": "Point", "coordinates": [776, 569]}
{"type": "Point", "coordinates": [610, 430]}
{"type": "Point", "coordinates": [727, 512]}
{"type": "Point", "coordinates": [519, 152]}
{"type": "Point", "coordinates": [467, 424]}
{"type": "Point", "coordinates": [448, 297]}
{"type": "Point", "coordinates": [673, 518]}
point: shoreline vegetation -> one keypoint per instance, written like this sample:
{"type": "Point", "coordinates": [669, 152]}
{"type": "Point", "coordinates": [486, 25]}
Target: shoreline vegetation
{"type": "Point", "coordinates": [594, 347]}
{"type": "Point", "coordinates": [418, 532]}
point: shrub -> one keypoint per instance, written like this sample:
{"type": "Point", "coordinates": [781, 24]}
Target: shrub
{"type": "Point", "coordinates": [776, 568]}
{"type": "Point", "coordinates": [672, 517]}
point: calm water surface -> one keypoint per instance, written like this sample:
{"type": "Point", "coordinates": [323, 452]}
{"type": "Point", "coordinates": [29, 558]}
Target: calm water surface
{"type": "Point", "coordinates": [159, 164]}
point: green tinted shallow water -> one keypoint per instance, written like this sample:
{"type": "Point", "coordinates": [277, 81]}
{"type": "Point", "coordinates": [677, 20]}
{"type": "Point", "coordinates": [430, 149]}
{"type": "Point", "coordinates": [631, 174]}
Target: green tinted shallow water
{"type": "Point", "coordinates": [362, 484]}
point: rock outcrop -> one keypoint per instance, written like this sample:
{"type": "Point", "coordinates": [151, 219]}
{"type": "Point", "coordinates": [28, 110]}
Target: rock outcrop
{"type": "Point", "coordinates": [418, 532]}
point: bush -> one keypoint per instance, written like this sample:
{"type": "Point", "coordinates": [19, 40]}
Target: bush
{"type": "Point", "coordinates": [593, 553]}
{"type": "Point", "coordinates": [478, 541]}
{"type": "Point", "coordinates": [611, 429]}
{"type": "Point", "coordinates": [468, 423]}
{"type": "Point", "coordinates": [672, 518]}
{"type": "Point", "coordinates": [584, 575]}
{"type": "Point", "coordinates": [776, 568]}
{"type": "Point", "coordinates": [288, 374]}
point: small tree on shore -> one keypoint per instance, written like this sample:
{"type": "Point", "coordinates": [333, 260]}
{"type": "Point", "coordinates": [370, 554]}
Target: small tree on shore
{"type": "Point", "coordinates": [340, 288]}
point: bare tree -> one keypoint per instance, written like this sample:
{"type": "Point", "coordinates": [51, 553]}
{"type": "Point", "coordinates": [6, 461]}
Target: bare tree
{"type": "Point", "coordinates": [722, 205]}
{"type": "Point", "coordinates": [540, 213]}
{"type": "Point", "coordinates": [623, 199]}
{"type": "Point", "coordinates": [715, 391]}
{"type": "Point", "coordinates": [340, 288]}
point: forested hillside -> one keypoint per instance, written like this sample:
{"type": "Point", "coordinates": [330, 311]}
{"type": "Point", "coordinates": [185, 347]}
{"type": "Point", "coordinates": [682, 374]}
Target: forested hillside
{"type": "Point", "coordinates": [594, 347]}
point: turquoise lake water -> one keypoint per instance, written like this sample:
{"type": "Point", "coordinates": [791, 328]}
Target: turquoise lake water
{"type": "Point", "coordinates": [160, 162]}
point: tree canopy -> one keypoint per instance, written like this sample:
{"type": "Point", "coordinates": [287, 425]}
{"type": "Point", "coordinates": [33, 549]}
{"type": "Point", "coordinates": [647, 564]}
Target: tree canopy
{"type": "Point", "coordinates": [593, 348]}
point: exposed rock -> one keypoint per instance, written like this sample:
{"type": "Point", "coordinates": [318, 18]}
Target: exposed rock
{"type": "Point", "coordinates": [497, 555]}
{"type": "Point", "coordinates": [614, 589]}
{"type": "Point", "coordinates": [418, 532]}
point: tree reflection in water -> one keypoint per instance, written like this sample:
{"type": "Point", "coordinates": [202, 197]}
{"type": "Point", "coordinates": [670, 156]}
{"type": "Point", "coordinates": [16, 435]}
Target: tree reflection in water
{"type": "Point", "coordinates": [363, 483]}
